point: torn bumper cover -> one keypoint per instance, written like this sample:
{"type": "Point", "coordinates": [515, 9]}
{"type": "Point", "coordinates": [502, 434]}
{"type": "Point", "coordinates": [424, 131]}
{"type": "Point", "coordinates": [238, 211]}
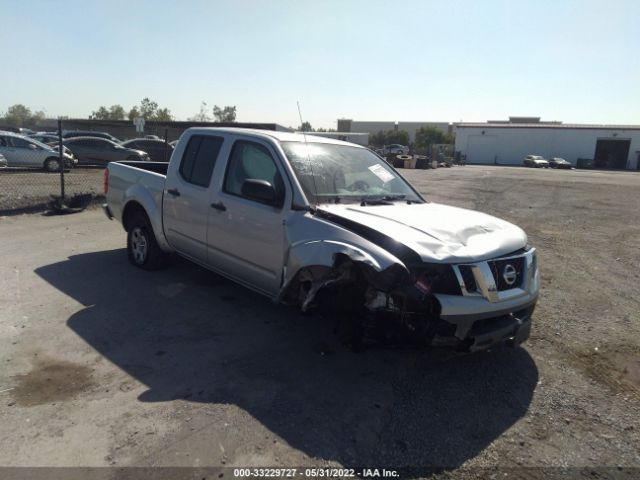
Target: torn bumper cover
{"type": "Point", "coordinates": [430, 303]}
{"type": "Point", "coordinates": [479, 332]}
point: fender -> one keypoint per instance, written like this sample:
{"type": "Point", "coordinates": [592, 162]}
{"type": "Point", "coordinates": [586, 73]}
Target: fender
{"type": "Point", "coordinates": [152, 205]}
{"type": "Point", "coordinates": [324, 253]}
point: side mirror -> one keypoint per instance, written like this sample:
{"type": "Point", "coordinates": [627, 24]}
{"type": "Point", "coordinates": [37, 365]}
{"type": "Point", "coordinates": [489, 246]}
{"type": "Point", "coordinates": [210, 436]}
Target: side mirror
{"type": "Point", "coordinates": [259, 190]}
{"type": "Point", "coordinates": [33, 147]}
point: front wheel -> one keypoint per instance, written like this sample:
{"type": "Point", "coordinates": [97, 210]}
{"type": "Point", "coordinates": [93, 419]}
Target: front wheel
{"type": "Point", "coordinates": [52, 165]}
{"type": "Point", "coordinates": [142, 248]}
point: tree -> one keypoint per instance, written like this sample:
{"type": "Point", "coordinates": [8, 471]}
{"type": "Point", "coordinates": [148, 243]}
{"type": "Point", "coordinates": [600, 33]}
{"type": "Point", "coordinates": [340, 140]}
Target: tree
{"type": "Point", "coordinates": [133, 113]}
{"type": "Point", "coordinates": [38, 116]}
{"type": "Point", "coordinates": [427, 136]}
{"type": "Point", "coordinates": [449, 138]}
{"type": "Point", "coordinates": [378, 139]}
{"type": "Point", "coordinates": [18, 115]}
{"type": "Point", "coordinates": [224, 115]}
{"type": "Point", "coordinates": [101, 114]}
{"type": "Point", "coordinates": [162, 115]}
{"type": "Point", "coordinates": [305, 127]}
{"type": "Point", "coordinates": [325, 129]}
{"type": "Point", "coordinates": [202, 115]}
{"type": "Point", "coordinates": [397, 136]}
{"type": "Point", "coordinates": [148, 108]}
{"type": "Point", "coordinates": [390, 136]}
{"type": "Point", "coordinates": [116, 112]}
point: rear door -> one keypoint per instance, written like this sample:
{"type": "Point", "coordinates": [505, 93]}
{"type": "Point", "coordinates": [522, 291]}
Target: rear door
{"type": "Point", "coordinates": [245, 237]}
{"type": "Point", "coordinates": [186, 196]}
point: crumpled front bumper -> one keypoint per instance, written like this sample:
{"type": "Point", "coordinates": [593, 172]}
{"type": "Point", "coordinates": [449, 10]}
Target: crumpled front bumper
{"type": "Point", "coordinates": [473, 332]}
{"type": "Point", "coordinates": [486, 316]}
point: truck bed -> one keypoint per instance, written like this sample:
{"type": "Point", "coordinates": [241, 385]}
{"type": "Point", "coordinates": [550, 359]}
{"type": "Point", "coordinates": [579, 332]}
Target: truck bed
{"type": "Point", "coordinates": [156, 167]}
{"type": "Point", "coordinates": [143, 181]}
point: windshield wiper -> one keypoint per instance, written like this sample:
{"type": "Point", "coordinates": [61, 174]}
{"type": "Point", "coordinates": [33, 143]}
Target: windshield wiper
{"type": "Point", "coordinates": [380, 200]}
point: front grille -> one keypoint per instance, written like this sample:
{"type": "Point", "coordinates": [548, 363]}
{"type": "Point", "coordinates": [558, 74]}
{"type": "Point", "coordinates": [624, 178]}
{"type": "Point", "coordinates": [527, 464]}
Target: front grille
{"type": "Point", "coordinates": [467, 277]}
{"type": "Point", "coordinates": [498, 269]}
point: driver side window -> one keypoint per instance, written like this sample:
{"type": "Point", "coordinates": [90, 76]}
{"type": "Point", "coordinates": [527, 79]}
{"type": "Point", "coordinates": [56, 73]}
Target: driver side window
{"type": "Point", "coordinates": [251, 160]}
{"type": "Point", "coordinates": [21, 143]}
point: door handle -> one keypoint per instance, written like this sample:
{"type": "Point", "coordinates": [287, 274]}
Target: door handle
{"type": "Point", "coordinates": [174, 192]}
{"type": "Point", "coordinates": [219, 206]}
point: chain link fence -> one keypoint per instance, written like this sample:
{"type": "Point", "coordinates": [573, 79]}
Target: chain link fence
{"type": "Point", "coordinates": [30, 165]}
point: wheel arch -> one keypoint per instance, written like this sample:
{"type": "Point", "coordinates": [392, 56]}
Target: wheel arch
{"type": "Point", "coordinates": [319, 260]}
{"type": "Point", "coordinates": [134, 206]}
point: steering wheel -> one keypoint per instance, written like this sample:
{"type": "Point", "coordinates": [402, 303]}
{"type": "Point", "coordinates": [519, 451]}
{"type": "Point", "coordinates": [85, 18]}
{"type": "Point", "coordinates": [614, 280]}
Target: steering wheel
{"type": "Point", "coordinates": [358, 185]}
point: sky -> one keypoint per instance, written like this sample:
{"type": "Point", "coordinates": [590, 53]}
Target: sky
{"type": "Point", "coordinates": [574, 61]}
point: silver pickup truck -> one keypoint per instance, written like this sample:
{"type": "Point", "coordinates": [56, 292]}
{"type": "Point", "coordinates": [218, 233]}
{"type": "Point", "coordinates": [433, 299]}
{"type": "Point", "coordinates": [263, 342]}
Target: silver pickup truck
{"type": "Point", "coordinates": [316, 222]}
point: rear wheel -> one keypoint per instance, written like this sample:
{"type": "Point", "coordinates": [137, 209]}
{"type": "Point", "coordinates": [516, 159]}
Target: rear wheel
{"type": "Point", "coordinates": [142, 248]}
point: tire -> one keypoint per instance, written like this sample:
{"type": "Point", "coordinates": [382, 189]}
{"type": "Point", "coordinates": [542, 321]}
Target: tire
{"type": "Point", "coordinates": [143, 250]}
{"type": "Point", "coordinates": [52, 165]}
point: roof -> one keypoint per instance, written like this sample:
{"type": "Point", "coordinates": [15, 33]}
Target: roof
{"type": "Point", "coordinates": [344, 134]}
{"type": "Point", "coordinates": [87, 137]}
{"type": "Point", "coordinates": [581, 126]}
{"type": "Point", "coordinates": [280, 136]}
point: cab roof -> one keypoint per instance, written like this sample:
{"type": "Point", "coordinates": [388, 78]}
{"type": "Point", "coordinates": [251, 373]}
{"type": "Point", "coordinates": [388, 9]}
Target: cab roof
{"type": "Point", "coordinates": [280, 136]}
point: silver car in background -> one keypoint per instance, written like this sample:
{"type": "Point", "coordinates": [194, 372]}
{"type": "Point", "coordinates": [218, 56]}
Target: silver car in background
{"type": "Point", "coordinates": [21, 151]}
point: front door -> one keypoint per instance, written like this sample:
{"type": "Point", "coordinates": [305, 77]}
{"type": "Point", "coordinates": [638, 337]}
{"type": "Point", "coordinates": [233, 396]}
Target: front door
{"type": "Point", "coordinates": [186, 197]}
{"type": "Point", "coordinates": [246, 237]}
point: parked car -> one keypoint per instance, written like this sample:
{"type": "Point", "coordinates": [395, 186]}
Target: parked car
{"type": "Point", "coordinates": [535, 161]}
{"type": "Point", "coordinates": [50, 139]}
{"type": "Point", "coordinates": [3, 162]}
{"type": "Point", "coordinates": [557, 162]}
{"type": "Point", "coordinates": [100, 151]}
{"type": "Point", "coordinates": [89, 133]}
{"type": "Point", "coordinates": [349, 235]}
{"type": "Point", "coordinates": [396, 149]}
{"type": "Point", "coordinates": [157, 149]}
{"type": "Point", "coordinates": [21, 151]}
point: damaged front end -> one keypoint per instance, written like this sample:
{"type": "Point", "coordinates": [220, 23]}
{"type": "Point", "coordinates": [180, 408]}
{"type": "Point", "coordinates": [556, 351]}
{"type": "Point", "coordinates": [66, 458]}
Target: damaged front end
{"type": "Point", "coordinates": [399, 304]}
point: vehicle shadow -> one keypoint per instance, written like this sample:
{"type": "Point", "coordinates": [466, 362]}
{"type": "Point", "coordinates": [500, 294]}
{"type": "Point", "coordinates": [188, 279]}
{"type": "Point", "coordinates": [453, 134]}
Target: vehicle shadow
{"type": "Point", "coordinates": [189, 334]}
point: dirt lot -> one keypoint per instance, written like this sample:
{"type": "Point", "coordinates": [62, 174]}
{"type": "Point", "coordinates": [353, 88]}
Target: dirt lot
{"type": "Point", "coordinates": [23, 188]}
{"type": "Point", "coordinates": [103, 364]}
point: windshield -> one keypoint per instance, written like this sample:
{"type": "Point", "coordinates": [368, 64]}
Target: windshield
{"type": "Point", "coordinates": [335, 173]}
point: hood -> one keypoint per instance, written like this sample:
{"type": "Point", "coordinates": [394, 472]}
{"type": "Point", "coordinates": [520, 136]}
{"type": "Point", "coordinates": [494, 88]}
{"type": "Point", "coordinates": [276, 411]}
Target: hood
{"type": "Point", "coordinates": [437, 233]}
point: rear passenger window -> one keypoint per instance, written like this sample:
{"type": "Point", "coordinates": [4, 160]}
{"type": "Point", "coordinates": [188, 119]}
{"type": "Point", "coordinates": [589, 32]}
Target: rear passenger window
{"type": "Point", "coordinates": [199, 159]}
{"type": "Point", "coordinates": [250, 160]}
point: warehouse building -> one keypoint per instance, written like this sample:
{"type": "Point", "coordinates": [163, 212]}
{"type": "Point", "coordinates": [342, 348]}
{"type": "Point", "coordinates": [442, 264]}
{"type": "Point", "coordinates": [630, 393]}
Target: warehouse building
{"type": "Point", "coordinates": [590, 146]}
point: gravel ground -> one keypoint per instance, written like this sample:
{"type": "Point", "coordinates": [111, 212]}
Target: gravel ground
{"type": "Point", "coordinates": [21, 188]}
{"type": "Point", "coordinates": [104, 364]}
